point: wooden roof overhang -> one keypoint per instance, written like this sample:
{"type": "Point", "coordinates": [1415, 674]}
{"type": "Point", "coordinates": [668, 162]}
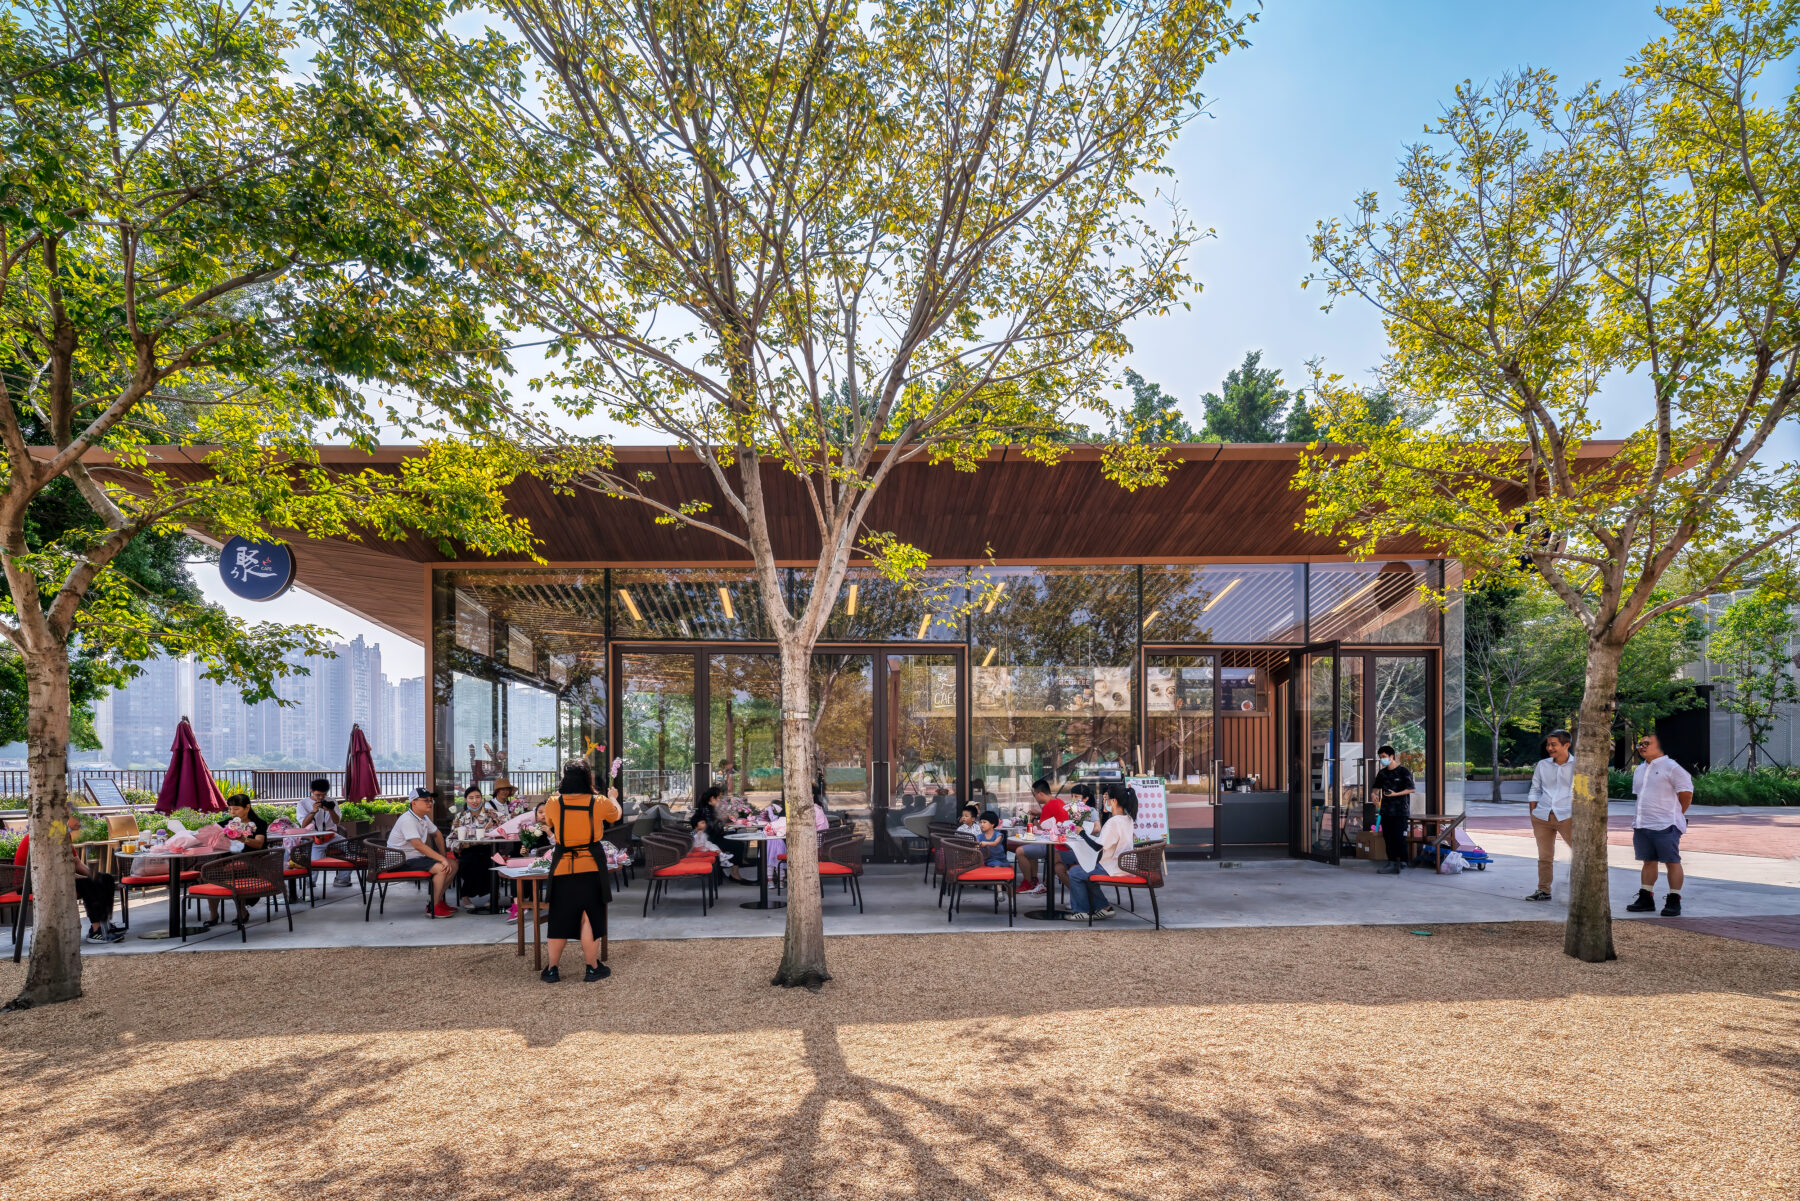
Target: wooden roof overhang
{"type": "Point", "coordinates": [1224, 503]}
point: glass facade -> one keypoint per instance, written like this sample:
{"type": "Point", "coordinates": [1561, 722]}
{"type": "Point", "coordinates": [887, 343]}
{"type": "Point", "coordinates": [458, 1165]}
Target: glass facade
{"type": "Point", "coordinates": [519, 683]}
{"type": "Point", "coordinates": [1015, 673]}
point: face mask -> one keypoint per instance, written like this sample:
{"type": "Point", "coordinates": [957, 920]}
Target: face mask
{"type": "Point", "coordinates": [1386, 762]}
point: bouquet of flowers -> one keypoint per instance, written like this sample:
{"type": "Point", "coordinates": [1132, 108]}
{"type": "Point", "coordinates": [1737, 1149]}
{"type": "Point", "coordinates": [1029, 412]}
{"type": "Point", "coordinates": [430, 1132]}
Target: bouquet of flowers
{"type": "Point", "coordinates": [736, 809]}
{"type": "Point", "coordinates": [238, 828]}
{"type": "Point", "coordinates": [282, 825]}
{"type": "Point", "coordinates": [514, 807]}
{"type": "Point", "coordinates": [534, 836]}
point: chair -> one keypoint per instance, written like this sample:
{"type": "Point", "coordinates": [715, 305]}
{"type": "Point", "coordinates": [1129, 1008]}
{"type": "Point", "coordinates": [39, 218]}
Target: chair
{"type": "Point", "coordinates": [934, 857]}
{"type": "Point", "coordinates": [668, 856]}
{"type": "Point", "coordinates": [919, 826]}
{"type": "Point", "coordinates": [294, 871]}
{"type": "Point", "coordinates": [354, 858]}
{"type": "Point", "coordinates": [620, 836]}
{"type": "Point", "coordinates": [15, 886]}
{"type": "Point", "coordinates": [119, 827]}
{"type": "Point", "coordinates": [1140, 867]}
{"type": "Point", "coordinates": [964, 868]}
{"type": "Point", "coordinates": [842, 859]}
{"type": "Point", "coordinates": [383, 867]}
{"type": "Point", "coordinates": [247, 878]}
{"type": "Point", "coordinates": [146, 881]}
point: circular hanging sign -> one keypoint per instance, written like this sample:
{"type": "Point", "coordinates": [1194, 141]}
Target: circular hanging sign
{"type": "Point", "coordinates": [256, 569]}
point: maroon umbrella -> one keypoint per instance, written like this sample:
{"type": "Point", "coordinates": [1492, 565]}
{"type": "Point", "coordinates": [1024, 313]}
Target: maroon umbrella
{"type": "Point", "coordinates": [360, 783]}
{"type": "Point", "coordinates": [188, 784]}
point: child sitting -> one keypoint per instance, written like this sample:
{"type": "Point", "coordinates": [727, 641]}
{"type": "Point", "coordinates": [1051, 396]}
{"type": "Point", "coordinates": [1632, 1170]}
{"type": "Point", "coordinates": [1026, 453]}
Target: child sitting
{"type": "Point", "coordinates": [991, 841]}
{"type": "Point", "coordinates": [970, 824]}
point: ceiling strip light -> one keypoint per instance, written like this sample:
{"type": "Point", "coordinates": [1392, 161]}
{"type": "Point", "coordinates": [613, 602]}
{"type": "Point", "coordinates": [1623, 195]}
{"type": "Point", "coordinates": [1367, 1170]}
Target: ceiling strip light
{"type": "Point", "coordinates": [924, 624]}
{"type": "Point", "coordinates": [630, 605]}
{"type": "Point", "coordinates": [725, 599]}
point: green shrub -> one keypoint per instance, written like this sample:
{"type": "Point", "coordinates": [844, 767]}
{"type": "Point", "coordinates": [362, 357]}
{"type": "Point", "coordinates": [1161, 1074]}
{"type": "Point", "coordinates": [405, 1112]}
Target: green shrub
{"type": "Point", "coordinates": [92, 829]}
{"type": "Point", "coordinates": [138, 796]}
{"type": "Point", "coordinates": [1734, 786]}
{"type": "Point", "coordinates": [270, 812]}
{"type": "Point", "coordinates": [355, 811]}
{"type": "Point", "coordinates": [9, 846]}
{"type": "Point", "coordinates": [381, 806]}
{"type": "Point", "coordinates": [1618, 784]}
{"type": "Point", "coordinates": [228, 789]}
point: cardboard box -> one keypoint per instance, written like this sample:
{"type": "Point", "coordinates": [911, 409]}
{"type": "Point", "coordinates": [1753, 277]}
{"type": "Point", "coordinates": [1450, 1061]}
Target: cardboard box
{"type": "Point", "coordinates": [1371, 844]}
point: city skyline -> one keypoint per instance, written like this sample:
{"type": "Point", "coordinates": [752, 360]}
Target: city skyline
{"type": "Point", "coordinates": [136, 723]}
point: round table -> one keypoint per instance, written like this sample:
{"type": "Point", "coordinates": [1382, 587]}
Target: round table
{"type": "Point", "coordinates": [762, 868]}
{"type": "Point", "coordinates": [177, 861]}
{"type": "Point", "coordinates": [1052, 844]}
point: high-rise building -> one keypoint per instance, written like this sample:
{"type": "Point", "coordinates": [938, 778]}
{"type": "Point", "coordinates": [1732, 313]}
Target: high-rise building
{"type": "Point", "coordinates": [409, 718]}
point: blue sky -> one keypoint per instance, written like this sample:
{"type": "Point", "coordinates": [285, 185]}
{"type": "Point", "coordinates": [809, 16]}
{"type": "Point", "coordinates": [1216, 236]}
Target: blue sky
{"type": "Point", "coordinates": [1315, 112]}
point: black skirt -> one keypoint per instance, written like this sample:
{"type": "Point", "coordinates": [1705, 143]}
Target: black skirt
{"type": "Point", "coordinates": [573, 896]}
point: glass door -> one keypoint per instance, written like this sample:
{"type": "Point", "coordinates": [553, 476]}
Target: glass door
{"type": "Point", "coordinates": [843, 697]}
{"type": "Point", "coordinates": [1180, 743]}
{"type": "Point", "coordinates": [744, 726]}
{"type": "Point", "coordinates": [921, 697]}
{"type": "Point", "coordinates": [657, 715]}
{"type": "Point", "coordinates": [1400, 708]}
{"type": "Point", "coordinates": [1328, 714]}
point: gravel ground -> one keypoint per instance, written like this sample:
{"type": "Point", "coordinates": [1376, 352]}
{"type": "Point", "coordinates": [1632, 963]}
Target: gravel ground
{"type": "Point", "coordinates": [1112, 1064]}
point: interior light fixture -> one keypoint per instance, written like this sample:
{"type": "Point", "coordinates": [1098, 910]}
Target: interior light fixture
{"type": "Point", "coordinates": [725, 599]}
{"type": "Point", "coordinates": [924, 624]}
{"type": "Point", "coordinates": [850, 602]}
{"type": "Point", "coordinates": [992, 651]}
{"type": "Point", "coordinates": [1354, 597]}
{"type": "Point", "coordinates": [1154, 614]}
{"type": "Point", "coordinates": [1222, 593]}
{"type": "Point", "coordinates": [994, 596]}
{"type": "Point", "coordinates": [630, 605]}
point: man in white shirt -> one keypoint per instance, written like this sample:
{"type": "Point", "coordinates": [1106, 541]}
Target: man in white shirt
{"type": "Point", "coordinates": [1552, 800]}
{"type": "Point", "coordinates": [303, 808]}
{"type": "Point", "coordinates": [416, 834]}
{"type": "Point", "coordinates": [1664, 790]}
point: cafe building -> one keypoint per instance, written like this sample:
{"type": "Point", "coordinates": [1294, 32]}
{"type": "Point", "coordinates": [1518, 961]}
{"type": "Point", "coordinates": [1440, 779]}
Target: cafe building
{"type": "Point", "coordinates": [1073, 630]}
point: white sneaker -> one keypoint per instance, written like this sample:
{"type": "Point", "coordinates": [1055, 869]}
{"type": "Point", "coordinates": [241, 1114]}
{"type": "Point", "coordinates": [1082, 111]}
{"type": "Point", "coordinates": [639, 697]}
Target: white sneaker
{"type": "Point", "coordinates": [475, 902]}
{"type": "Point", "coordinates": [1036, 890]}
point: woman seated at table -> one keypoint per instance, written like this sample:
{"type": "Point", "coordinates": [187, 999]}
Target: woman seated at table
{"type": "Point", "coordinates": [244, 814]}
{"type": "Point", "coordinates": [709, 834]}
{"type": "Point", "coordinates": [476, 824]}
{"type": "Point", "coordinates": [1089, 855]}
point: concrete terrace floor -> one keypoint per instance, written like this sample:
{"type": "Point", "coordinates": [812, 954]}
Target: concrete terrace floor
{"type": "Point", "coordinates": [1278, 892]}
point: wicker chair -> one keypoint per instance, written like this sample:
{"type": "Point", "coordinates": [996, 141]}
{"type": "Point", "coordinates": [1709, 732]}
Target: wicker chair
{"type": "Point", "coordinates": [1140, 867]}
{"type": "Point", "coordinates": [352, 857]}
{"type": "Point", "coordinates": [934, 855]}
{"type": "Point", "coordinates": [964, 867]}
{"type": "Point", "coordinates": [667, 857]}
{"type": "Point", "coordinates": [620, 836]}
{"type": "Point", "coordinates": [15, 882]}
{"type": "Point", "coordinates": [382, 868]}
{"type": "Point", "coordinates": [842, 859]}
{"type": "Point", "coordinates": [297, 871]}
{"type": "Point", "coordinates": [247, 878]}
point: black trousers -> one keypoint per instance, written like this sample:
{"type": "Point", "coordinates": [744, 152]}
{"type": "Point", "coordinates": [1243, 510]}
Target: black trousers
{"type": "Point", "coordinates": [97, 892]}
{"type": "Point", "coordinates": [475, 870]}
{"type": "Point", "coordinates": [1395, 819]}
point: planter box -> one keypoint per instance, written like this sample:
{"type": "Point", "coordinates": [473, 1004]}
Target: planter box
{"type": "Point", "coordinates": [381, 823]}
{"type": "Point", "coordinates": [355, 829]}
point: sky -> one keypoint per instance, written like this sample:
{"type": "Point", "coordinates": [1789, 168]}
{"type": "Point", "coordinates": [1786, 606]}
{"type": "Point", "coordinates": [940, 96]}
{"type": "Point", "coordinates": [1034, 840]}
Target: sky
{"type": "Point", "coordinates": [1316, 111]}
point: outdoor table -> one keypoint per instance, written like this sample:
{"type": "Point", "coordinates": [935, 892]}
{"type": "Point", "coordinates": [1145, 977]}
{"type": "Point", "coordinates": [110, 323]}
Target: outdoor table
{"type": "Point", "coordinates": [1440, 836]}
{"type": "Point", "coordinates": [530, 882]}
{"type": "Point", "coordinates": [493, 893]}
{"type": "Point", "coordinates": [177, 860]}
{"type": "Point", "coordinates": [762, 868]}
{"type": "Point", "coordinates": [1054, 843]}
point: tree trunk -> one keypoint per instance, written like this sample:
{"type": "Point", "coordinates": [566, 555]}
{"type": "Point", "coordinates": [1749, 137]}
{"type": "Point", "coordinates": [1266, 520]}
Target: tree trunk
{"type": "Point", "coordinates": [1494, 760]}
{"type": "Point", "coordinates": [54, 973]}
{"type": "Point", "coordinates": [803, 950]}
{"type": "Point", "coordinates": [1588, 934]}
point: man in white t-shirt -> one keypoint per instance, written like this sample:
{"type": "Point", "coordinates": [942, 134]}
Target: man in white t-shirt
{"type": "Point", "coordinates": [1664, 790]}
{"type": "Point", "coordinates": [417, 835]}
{"type": "Point", "coordinates": [1552, 800]}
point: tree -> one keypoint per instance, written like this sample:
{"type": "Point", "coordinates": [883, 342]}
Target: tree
{"type": "Point", "coordinates": [812, 244]}
{"type": "Point", "coordinates": [1250, 406]}
{"type": "Point", "coordinates": [202, 252]}
{"type": "Point", "coordinates": [1154, 415]}
{"type": "Point", "coordinates": [1518, 645]}
{"type": "Point", "coordinates": [1749, 653]}
{"type": "Point", "coordinates": [1641, 239]}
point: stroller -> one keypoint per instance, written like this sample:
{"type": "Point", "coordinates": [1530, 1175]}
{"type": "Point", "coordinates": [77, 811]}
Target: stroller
{"type": "Point", "coordinates": [1476, 857]}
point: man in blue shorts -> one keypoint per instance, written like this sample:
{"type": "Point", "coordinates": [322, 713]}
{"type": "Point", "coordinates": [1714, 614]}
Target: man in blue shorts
{"type": "Point", "coordinates": [1664, 790]}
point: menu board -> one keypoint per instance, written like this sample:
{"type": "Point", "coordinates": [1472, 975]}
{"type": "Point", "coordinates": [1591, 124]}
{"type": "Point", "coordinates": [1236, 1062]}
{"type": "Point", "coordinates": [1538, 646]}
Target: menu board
{"type": "Point", "coordinates": [1152, 819]}
{"type": "Point", "coordinates": [104, 791]}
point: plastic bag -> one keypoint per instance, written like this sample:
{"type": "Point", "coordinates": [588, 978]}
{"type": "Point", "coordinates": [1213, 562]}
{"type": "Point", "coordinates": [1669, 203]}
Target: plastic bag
{"type": "Point", "coordinates": [1451, 864]}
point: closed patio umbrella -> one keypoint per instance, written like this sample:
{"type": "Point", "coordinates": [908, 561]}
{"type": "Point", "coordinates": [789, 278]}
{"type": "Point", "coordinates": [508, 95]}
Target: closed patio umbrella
{"type": "Point", "coordinates": [360, 783]}
{"type": "Point", "coordinates": [188, 784]}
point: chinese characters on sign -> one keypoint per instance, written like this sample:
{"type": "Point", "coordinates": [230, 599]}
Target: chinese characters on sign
{"type": "Point", "coordinates": [256, 569]}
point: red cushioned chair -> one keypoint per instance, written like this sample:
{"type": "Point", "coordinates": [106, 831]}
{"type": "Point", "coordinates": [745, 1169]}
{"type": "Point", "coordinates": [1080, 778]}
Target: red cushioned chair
{"type": "Point", "coordinates": [940, 856]}
{"type": "Point", "coordinates": [15, 881]}
{"type": "Point", "coordinates": [298, 875]}
{"type": "Point", "coordinates": [935, 834]}
{"type": "Point", "coordinates": [841, 858]}
{"type": "Point", "coordinates": [670, 856]}
{"type": "Point", "coordinates": [964, 868]}
{"type": "Point", "coordinates": [383, 868]}
{"type": "Point", "coordinates": [247, 878]}
{"type": "Point", "coordinates": [1140, 867]}
{"type": "Point", "coordinates": [354, 858]}
{"type": "Point", "coordinates": [146, 882]}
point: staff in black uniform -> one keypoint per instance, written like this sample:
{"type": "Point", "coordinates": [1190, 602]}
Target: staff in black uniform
{"type": "Point", "coordinates": [1394, 785]}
